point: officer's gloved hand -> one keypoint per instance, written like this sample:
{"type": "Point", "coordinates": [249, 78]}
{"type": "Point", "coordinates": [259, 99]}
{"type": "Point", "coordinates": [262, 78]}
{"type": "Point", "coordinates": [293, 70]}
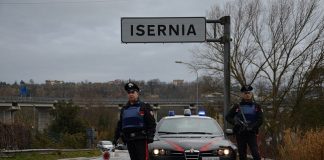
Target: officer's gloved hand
{"type": "Point", "coordinates": [114, 142]}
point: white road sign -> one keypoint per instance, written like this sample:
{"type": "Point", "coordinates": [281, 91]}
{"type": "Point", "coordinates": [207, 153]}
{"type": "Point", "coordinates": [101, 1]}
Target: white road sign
{"type": "Point", "coordinates": [163, 29]}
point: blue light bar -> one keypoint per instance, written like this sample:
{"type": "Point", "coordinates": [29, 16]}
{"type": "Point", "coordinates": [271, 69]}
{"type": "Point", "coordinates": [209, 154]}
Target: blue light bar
{"type": "Point", "coordinates": [171, 113]}
{"type": "Point", "coordinates": [202, 113]}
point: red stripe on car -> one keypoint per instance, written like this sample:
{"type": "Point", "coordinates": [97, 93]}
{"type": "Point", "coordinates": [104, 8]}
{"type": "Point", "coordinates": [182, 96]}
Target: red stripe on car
{"type": "Point", "coordinates": [176, 147]}
{"type": "Point", "coordinates": [206, 146]}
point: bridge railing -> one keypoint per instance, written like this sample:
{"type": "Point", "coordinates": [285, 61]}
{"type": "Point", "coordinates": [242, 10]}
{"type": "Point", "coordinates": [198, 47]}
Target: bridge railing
{"type": "Point", "coordinates": [31, 99]}
{"type": "Point", "coordinates": [105, 100]}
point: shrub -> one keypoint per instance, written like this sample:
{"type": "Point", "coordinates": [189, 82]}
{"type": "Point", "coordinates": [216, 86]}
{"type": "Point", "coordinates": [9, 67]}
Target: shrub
{"type": "Point", "coordinates": [43, 140]}
{"type": "Point", "coordinates": [66, 140]}
{"type": "Point", "coordinates": [77, 140]}
{"type": "Point", "coordinates": [300, 145]}
{"type": "Point", "coordinates": [14, 136]}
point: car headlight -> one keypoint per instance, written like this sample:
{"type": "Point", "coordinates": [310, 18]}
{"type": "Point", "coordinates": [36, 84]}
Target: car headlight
{"type": "Point", "coordinates": [226, 151]}
{"type": "Point", "coordinates": [223, 151]}
{"type": "Point", "coordinates": [158, 151]}
{"type": "Point", "coordinates": [155, 151]}
{"type": "Point", "coordinates": [162, 152]}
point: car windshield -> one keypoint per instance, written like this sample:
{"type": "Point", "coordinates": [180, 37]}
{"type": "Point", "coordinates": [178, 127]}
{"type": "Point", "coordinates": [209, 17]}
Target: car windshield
{"type": "Point", "coordinates": [189, 125]}
{"type": "Point", "coordinates": [106, 142]}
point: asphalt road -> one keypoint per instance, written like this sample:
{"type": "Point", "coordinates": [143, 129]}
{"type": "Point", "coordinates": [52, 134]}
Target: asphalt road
{"type": "Point", "coordinates": [117, 155]}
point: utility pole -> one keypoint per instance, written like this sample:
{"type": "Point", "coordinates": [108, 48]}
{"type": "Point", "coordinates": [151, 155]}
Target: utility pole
{"type": "Point", "coordinates": [197, 81]}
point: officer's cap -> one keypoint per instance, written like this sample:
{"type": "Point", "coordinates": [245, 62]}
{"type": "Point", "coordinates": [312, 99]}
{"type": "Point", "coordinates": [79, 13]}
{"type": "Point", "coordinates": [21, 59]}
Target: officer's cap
{"type": "Point", "coordinates": [246, 88]}
{"type": "Point", "coordinates": [130, 86]}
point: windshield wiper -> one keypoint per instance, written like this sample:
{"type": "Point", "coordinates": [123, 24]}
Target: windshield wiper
{"type": "Point", "coordinates": [194, 133]}
{"type": "Point", "coordinates": [165, 132]}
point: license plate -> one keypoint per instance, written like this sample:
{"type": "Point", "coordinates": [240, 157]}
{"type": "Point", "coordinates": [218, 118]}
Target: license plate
{"type": "Point", "coordinates": [210, 158]}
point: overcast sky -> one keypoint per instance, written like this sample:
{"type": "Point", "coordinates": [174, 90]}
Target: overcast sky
{"type": "Point", "coordinates": [78, 40]}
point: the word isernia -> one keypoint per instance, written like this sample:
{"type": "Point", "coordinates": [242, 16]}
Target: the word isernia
{"type": "Point", "coordinates": [163, 30]}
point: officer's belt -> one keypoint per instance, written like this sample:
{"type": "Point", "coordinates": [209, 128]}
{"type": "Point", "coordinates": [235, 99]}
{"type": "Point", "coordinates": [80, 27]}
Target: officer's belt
{"type": "Point", "coordinates": [135, 134]}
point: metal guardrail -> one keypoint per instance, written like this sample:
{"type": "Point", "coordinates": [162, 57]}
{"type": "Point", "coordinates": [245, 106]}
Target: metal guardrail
{"type": "Point", "coordinates": [9, 153]}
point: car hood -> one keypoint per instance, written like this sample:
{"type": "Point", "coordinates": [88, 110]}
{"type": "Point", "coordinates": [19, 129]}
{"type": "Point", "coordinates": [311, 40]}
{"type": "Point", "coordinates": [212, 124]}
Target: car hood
{"type": "Point", "coordinates": [107, 145]}
{"type": "Point", "coordinates": [187, 142]}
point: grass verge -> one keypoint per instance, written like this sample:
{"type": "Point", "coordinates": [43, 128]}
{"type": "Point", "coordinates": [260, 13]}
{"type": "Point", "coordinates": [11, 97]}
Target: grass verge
{"type": "Point", "coordinates": [53, 155]}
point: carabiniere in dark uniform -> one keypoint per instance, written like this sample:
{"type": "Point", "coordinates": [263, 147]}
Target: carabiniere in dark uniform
{"type": "Point", "coordinates": [246, 117]}
{"type": "Point", "coordinates": [136, 125]}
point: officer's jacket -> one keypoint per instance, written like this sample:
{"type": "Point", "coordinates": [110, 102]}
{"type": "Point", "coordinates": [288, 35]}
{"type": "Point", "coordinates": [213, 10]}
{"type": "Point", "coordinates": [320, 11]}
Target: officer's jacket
{"type": "Point", "coordinates": [252, 112]}
{"type": "Point", "coordinates": [136, 121]}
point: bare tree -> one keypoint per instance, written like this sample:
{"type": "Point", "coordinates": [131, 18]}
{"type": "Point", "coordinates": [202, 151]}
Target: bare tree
{"type": "Point", "coordinates": [243, 50]}
{"type": "Point", "coordinates": [278, 42]}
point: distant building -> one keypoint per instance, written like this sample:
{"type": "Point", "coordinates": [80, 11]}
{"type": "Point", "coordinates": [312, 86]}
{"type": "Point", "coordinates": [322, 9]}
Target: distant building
{"type": "Point", "coordinates": [116, 82]}
{"type": "Point", "coordinates": [53, 82]}
{"type": "Point", "coordinates": [178, 82]}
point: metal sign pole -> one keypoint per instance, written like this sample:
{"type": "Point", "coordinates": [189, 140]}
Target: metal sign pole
{"type": "Point", "coordinates": [226, 41]}
{"type": "Point", "coordinates": [227, 72]}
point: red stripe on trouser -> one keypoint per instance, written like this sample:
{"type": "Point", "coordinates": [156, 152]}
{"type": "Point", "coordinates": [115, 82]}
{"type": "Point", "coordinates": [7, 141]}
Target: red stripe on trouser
{"type": "Point", "coordinates": [146, 150]}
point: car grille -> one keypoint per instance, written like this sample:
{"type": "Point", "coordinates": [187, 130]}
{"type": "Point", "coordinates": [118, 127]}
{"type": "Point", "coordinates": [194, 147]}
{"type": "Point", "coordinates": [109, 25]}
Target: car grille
{"type": "Point", "coordinates": [176, 153]}
{"type": "Point", "coordinates": [191, 154]}
{"type": "Point", "coordinates": [206, 154]}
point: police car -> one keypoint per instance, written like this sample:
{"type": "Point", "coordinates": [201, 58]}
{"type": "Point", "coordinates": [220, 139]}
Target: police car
{"type": "Point", "coordinates": [190, 137]}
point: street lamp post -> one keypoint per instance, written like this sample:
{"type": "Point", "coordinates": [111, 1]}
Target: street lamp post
{"type": "Point", "coordinates": [196, 70]}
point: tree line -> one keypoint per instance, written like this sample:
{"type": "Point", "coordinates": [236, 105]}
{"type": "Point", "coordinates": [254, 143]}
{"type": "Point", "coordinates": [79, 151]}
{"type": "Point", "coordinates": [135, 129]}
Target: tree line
{"type": "Point", "coordinates": [114, 89]}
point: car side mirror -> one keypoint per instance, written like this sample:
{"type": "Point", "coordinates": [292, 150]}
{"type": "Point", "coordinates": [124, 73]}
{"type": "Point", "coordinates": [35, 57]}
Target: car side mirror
{"type": "Point", "coordinates": [229, 132]}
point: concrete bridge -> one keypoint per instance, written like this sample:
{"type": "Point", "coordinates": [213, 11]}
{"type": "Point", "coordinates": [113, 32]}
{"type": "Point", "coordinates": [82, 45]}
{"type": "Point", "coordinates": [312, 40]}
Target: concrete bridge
{"type": "Point", "coordinates": [43, 106]}
{"type": "Point", "coordinates": [9, 105]}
